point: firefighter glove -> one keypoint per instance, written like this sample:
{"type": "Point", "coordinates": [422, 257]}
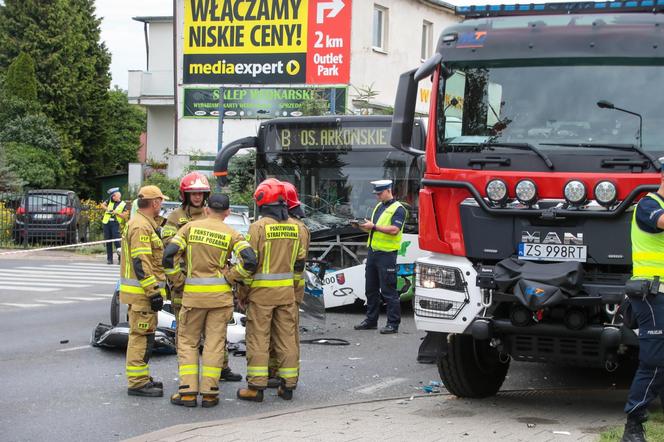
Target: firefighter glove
{"type": "Point", "coordinates": [156, 302]}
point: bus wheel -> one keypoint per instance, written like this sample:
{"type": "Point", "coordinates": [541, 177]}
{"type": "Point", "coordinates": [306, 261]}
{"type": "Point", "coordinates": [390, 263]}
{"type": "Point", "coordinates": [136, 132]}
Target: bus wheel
{"type": "Point", "coordinates": [471, 368]}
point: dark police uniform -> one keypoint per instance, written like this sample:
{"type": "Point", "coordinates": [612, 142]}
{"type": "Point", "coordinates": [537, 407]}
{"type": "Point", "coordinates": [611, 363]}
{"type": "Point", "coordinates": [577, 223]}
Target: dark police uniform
{"type": "Point", "coordinates": [647, 310]}
{"type": "Point", "coordinates": [381, 266]}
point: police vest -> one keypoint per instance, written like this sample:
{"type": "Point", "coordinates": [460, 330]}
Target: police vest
{"type": "Point", "coordinates": [647, 249]}
{"type": "Point", "coordinates": [113, 210]}
{"type": "Point", "coordinates": [382, 242]}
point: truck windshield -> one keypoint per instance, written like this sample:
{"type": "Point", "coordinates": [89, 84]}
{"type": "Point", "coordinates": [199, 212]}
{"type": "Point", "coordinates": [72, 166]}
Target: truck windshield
{"type": "Point", "coordinates": [555, 108]}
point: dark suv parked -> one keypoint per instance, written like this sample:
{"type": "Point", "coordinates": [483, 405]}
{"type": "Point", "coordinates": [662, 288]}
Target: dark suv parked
{"type": "Point", "coordinates": [51, 216]}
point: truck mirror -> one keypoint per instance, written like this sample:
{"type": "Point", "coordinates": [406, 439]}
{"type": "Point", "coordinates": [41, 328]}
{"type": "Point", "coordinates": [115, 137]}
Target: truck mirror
{"type": "Point", "coordinates": [226, 153]}
{"type": "Point", "coordinates": [404, 112]}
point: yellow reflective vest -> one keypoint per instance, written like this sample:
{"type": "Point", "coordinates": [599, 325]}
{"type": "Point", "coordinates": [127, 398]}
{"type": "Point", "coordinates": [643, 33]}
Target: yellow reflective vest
{"type": "Point", "coordinates": [647, 249]}
{"type": "Point", "coordinates": [382, 242]}
{"type": "Point", "coordinates": [113, 209]}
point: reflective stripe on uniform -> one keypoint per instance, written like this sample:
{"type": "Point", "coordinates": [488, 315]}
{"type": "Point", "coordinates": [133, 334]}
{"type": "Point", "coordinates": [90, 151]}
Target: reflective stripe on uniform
{"type": "Point", "coordinates": [137, 370]}
{"type": "Point", "coordinates": [174, 271]}
{"type": "Point", "coordinates": [266, 259]}
{"type": "Point", "coordinates": [128, 285]}
{"type": "Point", "coordinates": [149, 281]}
{"type": "Point", "coordinates": [181, 243]}
{"type": "Point", "coordinates": [240, 246]}
{"type": "Point", "coordinates": [288, 372]}
{"type": "Point", "coordinates": [168, 231]}
{"type": "Point", "coordinates": [188, 369]}
{"type": "Point", "coordinates": [211, 372]}
{"type": "Point", "coordinates": [256, 370]}
{"type": "Point", "coordinates": [136, 251]}
{"type": "Point", "coordinates": [203, 285]}
{"type": "Point", "coordinates": [272, 280]}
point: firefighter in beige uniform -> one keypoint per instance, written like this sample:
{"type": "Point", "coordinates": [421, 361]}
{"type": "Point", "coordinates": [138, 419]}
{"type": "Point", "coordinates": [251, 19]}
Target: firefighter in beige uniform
{"type": "Point", "coordinates": [271, 309]}
{"type": "Point", "coordinates": [296, 214]}
{"type": "Point", "coordinates": [207, 302]}
{"type": "Point", "coordinates": [142, 287]}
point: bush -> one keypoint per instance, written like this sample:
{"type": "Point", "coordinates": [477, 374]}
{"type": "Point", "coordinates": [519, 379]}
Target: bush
{"type": "Point", "coordinates": [6, 223]}
{"type": "Point", "coordinates": [169, 187]}
{"type": "Point", "coordinates": [95, 214]}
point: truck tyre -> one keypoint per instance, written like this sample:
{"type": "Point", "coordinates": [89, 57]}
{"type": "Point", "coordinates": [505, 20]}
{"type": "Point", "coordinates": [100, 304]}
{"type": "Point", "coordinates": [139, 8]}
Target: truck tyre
{"type": "Point", "coordinates": [115, 308]}
{"type": "Point", "coordinates": [471, 368]}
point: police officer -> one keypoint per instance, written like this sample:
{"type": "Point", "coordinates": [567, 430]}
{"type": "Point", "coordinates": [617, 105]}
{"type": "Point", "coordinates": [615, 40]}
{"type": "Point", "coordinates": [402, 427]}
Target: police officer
{"type": "Point", "coordinates": [271, 310]}
{"type": "Point", "coordinates": [385, 231]}
{"type": "Point", "coordinates": [296, 214]}
{"type": "Point", "coordinates": [646, 296]}
{"type": "Point", "coordinates": [142, 288]}
{"type": "Point", "coordinates": [115, 215]}
{"type": "Point", "coordinates": [207, 302]}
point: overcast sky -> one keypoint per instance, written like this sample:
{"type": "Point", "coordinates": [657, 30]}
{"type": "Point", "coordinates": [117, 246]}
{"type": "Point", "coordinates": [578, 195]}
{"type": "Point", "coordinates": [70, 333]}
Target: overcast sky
{"type": "Point", "coordinates": [124, 36]}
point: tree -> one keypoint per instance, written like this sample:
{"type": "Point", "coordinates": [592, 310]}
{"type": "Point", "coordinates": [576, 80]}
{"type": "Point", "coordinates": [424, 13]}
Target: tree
{"type": "Point", "coordinates": [9, 180]}
{"type": "Point", "coordinates": [72, 73]}
{"type": "Point", "coordinates": [21, 80]}
{"type": "Point", "coordinates": [38, 168]}
{"type": "Point", "coordinates": [241, 178]}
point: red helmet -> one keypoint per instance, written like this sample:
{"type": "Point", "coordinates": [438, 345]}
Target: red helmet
{"type": "Point", "coordinates": [193, 182]}
{"type": "Point", "coordinates": [291, 195]}
{"type": "Point", "coordinates": [270, 191]}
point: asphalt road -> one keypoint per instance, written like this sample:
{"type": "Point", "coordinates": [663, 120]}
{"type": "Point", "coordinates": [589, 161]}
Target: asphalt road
{"type": "Point", "coordinates": [56, 387]}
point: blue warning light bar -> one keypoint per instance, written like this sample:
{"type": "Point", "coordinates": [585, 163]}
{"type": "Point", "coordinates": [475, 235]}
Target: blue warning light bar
{"type": "Point", "coordinates": [561, 8]}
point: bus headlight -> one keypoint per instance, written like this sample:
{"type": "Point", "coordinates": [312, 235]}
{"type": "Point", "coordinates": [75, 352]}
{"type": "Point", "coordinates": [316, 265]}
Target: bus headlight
{"type": "Point", "coordinates": [575, 192]}
{"type": "Point", "coordinates": [605, 193]}
{"type": "Point", "coordinates": [439, 277]}
{"type": "Point", "coordinates": [526, 192]}
{"type": "Point", "coordinates": [496, 191]}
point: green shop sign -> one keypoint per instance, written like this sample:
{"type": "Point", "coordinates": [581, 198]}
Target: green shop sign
{"type": "Point", "coordinates": [264, 103]}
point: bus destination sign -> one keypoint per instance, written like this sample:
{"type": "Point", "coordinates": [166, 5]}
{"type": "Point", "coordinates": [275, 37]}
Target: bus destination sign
{"type": "Point", "coordinates": [332, 138]}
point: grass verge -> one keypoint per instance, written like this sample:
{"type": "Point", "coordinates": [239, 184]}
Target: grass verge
{"type": "Point", "coordinates": [654, 430]}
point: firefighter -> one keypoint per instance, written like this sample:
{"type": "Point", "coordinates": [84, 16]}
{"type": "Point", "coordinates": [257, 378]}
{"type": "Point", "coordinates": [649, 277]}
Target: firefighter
{"type": "Point", "coordinates": [647, 306]}
{"type": "Point", "coordinates": [296, 214]}
{"type": "Point", "coordinates": [207, 302]}
{"type": "Point", "coordinates": [112, 222]}
{"type": "Point", "coordinates": [194, 192]}
{"type": "Point", "coordinates": [271, 310]}
{"type": "Point", "coordinates": [385, 232]}
{"type": "Point", "coordinates": [142, 288]}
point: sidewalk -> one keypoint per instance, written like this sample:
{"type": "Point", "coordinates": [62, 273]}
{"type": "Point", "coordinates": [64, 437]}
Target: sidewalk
{"type": "Point", "coordinates": [559, 415]}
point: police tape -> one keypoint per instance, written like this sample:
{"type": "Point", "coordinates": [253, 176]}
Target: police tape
{"type": "Point", "coordinates": [68, 246]}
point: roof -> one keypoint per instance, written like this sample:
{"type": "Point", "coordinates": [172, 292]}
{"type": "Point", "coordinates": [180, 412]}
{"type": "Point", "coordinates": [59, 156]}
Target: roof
{"type": "Point", "coordinates": [442, 4]}
{"type": "Point", "coordinates": [154, 19]}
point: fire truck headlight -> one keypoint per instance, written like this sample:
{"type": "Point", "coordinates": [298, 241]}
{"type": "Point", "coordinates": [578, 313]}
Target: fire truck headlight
{"type": "Point", "coordinates": [526, 192]}
{"type": "Point", "coordinates": [439, 277]}
{"type": "Point", "coordinates": [606, 193]}
{"type": "Point", "coordinates": [496, 191]}
{"type": "Point", "coordinates": [575, 192]}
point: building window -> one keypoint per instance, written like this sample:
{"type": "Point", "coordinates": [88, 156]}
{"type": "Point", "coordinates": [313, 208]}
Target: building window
{"type": "Point", "coordinates": [380, 28]}
{"type": "Point", "coordinates": [427, 40]}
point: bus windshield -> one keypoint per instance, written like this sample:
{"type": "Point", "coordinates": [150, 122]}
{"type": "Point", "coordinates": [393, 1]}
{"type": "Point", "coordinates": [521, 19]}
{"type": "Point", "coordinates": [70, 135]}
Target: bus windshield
{"type": "Point", "coordinates": [332, 167]}
{"type": "Point", "coordinates": [554, 108]}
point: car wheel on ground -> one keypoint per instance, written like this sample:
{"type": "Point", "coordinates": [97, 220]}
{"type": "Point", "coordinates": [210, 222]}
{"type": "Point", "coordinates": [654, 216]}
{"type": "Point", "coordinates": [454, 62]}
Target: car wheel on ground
{"type": "Point", "coordinates": [115, 308]}
{"type": "Point", "coordinates": [472, 368]}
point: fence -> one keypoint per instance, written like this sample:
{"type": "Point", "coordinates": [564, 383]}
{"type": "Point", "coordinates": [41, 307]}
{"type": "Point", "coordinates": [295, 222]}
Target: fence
{"type": "Point", "coordinates": [47, 217]}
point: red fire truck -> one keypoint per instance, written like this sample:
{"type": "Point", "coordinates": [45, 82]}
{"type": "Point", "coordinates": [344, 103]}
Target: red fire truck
{"type": "Point", "coordinates": [545, 128]}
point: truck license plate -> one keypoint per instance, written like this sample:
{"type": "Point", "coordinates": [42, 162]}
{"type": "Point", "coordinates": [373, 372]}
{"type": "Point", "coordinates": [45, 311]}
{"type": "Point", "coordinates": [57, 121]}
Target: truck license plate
{"type": "Point", "coordinates": [552, 252]}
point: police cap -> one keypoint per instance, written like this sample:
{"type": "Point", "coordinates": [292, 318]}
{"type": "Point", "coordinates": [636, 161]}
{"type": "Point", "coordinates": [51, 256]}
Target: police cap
{"type": "Point", "coordinates": [381, 185]}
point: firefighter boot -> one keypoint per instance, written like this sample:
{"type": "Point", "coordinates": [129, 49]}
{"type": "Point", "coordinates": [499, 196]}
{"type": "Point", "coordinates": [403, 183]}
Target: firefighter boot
{"type": "Point", "coordinates": [184, 399]}
{"type": "Point", "coordinates": [210, 400]}
{"type": "Point", "coordinates": [285, 393]}
{"type": "Point", "coordinates": [228, 375]}
{"type": "Point", "coordinates": [147, 390]}
{"type": "Point", "coordinates": [633, 431]}
{"type": "Point", "coordinates": [250, 394]}
{"type": "Point", "coordinates": [273, 380]}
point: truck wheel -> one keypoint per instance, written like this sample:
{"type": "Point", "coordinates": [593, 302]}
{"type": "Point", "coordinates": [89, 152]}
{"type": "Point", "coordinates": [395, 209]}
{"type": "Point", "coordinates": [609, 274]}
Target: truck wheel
{"type": "Point", "coordinates": [471, 368]}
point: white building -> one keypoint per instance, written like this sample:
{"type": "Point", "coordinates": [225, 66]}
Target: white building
{"type": "Point", "coordinates": [387, 37]}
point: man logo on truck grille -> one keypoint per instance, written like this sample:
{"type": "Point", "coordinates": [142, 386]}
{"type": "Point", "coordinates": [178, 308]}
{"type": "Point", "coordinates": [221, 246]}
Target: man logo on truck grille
{"type": "Point", "coordinates": [551, 238]}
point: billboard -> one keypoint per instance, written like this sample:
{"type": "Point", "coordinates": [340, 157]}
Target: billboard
{"type": "Point", "coordinates": [264, 103]}
{"type": "Point", "coordinates": [266, 41]}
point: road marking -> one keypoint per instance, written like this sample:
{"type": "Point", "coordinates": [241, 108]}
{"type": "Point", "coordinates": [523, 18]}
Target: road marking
{"type": "Point", "coordinates": [12, 282]}
{"type": "Point", "coordinates": [54, 301]}
{"type": "Point", "coordinates": [29, 289]}
{"type": "Point", "coordinates": [377, 386]}
{"type": "Point", "coordinates": [102, 295]}
{"type": "Point", "coordinates": [46, 276]}
{"type": "Point", "coordinates": [13, 304]}
{"type": "Point", "coordinates": [75, 348]}
{"type": "Point", "coordinates": [81, 298]}
{"type": "Point", "coordinates": [41, 270]}
{"type": "Point", "coordinates": [86, 269]}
